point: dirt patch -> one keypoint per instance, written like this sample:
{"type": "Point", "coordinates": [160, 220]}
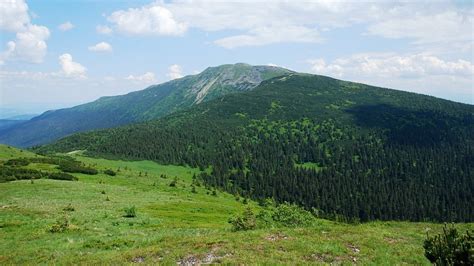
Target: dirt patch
{"type": "Point", "coordinates": [138, 259]}
{"type": "Point", "coordinates": [353, 248]}
{"type": "Point", "coordinates": [276, 237]}
{"type": "Point", "coordinates": [206, 259]}
{"type": "Point", "coordinates": [391, 240]}
{"type": "Point", "coordinates": [189, 260]}
{"type": "Point", "coordinates": [325, 258]}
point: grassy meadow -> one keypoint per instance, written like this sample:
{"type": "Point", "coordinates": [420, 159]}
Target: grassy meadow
{"type": "Point", "coordinates": [173, 224]}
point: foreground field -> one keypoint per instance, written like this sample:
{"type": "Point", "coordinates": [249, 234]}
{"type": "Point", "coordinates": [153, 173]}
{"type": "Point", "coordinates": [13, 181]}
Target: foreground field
{"type": "Point", "coordinates": [174, 225]}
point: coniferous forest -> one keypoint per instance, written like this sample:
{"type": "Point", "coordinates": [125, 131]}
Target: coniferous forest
{"type": "Point", "coordinates": [343, 150]}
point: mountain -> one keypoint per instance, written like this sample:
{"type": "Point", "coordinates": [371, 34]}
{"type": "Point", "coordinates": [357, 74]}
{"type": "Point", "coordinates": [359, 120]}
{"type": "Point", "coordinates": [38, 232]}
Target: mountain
{"type": "Point", "coordinates": [21, 117]}
{"type": "Point", "coordinates": [9, 123]}
{"type": "Point", "coordinates": [349, 150]}
{"type": "Point", "coordinates": [153, 102]}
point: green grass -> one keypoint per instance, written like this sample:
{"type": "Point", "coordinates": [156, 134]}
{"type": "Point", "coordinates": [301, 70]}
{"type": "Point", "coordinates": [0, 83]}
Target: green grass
{"type": "Point", "coordinates": [7, 153]}
{"type": "Point", "coordinates": [174, 224]}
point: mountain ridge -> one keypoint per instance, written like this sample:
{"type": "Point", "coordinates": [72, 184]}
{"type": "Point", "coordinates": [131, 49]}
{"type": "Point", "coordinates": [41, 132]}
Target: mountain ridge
{"type": "Point", "coordinates": [153, 102]}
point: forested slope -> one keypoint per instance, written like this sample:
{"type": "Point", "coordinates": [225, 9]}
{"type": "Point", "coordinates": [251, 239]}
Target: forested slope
{"type": "Point", "coordinates": [347, 149]}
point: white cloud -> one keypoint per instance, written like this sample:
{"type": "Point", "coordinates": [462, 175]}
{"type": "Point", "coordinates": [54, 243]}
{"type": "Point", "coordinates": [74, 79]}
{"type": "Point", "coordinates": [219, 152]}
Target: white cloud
{"type": "Point", "coordinates": [148, 78]}
{"type": "Point", "coordinates": [71, 68]}
{"type": "Point", "coordinates": [43, 88]}
{"type": "Point", "coordinates": [103, 29]}
{"type": "Point", "coordinates": [269, 35]}
{"type": "Point", "coordinates": [423, 73]}
{"type": "Point", "coordinates": [175, 72]}
{"type": "Point", "coordinates": [30, 42]}
{"type": "Point", "coordinates": [319, 66]}
{"type": "Point", "coordinates": [448, 28]}
{"type": "Point", "coordinates": [101, 47]}
{"type": "Point", "coordinates": [14, 15]}
{"type": "Point", "coordinates": [392, 65]}
{"type": "Point", "coordinates": [441, 24]}
{"type": "Point", "coordinates": [66, 26]}
{"type": "Point", "coordinates": [29, 45]}
{"type": "Point", "coordinates": [148, 20]}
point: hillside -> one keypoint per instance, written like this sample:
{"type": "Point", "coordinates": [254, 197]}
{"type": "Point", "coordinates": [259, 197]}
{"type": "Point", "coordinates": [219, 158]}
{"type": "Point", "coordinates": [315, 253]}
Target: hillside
{"type": "Point", "coordinates": [9, 123]}
{"type": "Point", "coordinates": [351, 151]}
{"type": "Point", "coordinates": [174, 224]}
{"type": "Point", "coordinates": [153, 102]}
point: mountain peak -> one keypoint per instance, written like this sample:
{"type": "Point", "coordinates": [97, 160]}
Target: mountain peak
{"type": "Point", "coordinates": [223, 79]}
{"type": "Point", "coordinates": [151, 103]}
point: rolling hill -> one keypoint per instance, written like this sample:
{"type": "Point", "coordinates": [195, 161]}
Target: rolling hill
{"type": "Point", "coordinates": [153, 102]}
{"type": "Point", "coordinates": [348, 151]}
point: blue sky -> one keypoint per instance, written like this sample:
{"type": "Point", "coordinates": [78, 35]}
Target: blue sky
{"type": "Point", "coordinates": [62, 53]}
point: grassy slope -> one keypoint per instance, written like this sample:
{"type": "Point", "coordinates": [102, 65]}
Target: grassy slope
{"type": "Point", "coordinates": [8, 152]}
{"type": "Point", "coordinates": [173, 224]}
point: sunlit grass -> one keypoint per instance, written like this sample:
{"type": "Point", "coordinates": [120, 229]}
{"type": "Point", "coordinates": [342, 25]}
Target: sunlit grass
{"type": "Point", "coordinates": [172, 224]}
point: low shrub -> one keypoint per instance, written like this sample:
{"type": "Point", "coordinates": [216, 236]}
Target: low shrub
{"type": "Point", "coordinates": [130, 212]}
{"type": "Point", "coordinates": [69, 208]}
{"type": "Point", "coordinates": [60, 225]}
{"type": "Point", "coordinates": [283, 215]}
{"type": "Point", "coordinates": [9, 173]}
{"type": "Point", "coordinates": [174, 182]}
{"type": "Point", "coordinates": [110, 172]}
{"type": "Point", "coordinates": [76, 167]}
{"type": "Point", "coordinates": [450, 247]}
{"type": "Point", "coordinates": [246, 221]}
{"type": "Point", "coordinates": [17, 162]}
{"type": "Point", "coordinates": [291, 215]}
{"type": "Point", "coordinates": [62, 176]}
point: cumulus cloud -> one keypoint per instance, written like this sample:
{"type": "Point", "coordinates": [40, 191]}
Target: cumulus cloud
{"type": "Point", "coordinates": [148, 20]}
{"type": "Point", "coordinates": [29, 45]}
{"type": "Point", "coordinates": [66, 26]}
{"type": "Point", "coordinates": [442, 30]}
{"type": "Point", "coordinates": [423, 73]}
{"type": "Point", "coordinates": [269, 35]}
{"type": "Point", "coordinates": [103, 29]}
{"type": "Point", "coordinates": [175, 72]}
{"type": "Point", "coordinates": [14, 15]}
{"type": "Point", "coordinates": [71, 68]}
{"type": "Point", "coordinates": [257, 23]}
{"type": "Point", "coordinates": [30, 42]}
{"type": "Point", "coordinates": [101, 47]}
{"type": "Point", "coordinates": [148, 78]}
{"type": "Point", "coordinates": [392, 65]}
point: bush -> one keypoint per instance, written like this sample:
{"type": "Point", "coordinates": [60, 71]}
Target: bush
{"type": "Point", "coordinates": [8, 173]}
{"type": "Point", "coordinates": [62, 176]}
{"type": "Point", "coordinates": [174, 182]}
{"type": "Point", "coordinates": [17, 162]}
{"type": "Point", "coordinates": [130, 212]}
{"type": "Point", "coordinates": [76, 167]}
{"type": "Point", "coordinates": [110, 172]}
{"type": "Point", "coordinates": [450, 248]}
{"type": "Point", "coordinates": [246, 221]}
{"type": "Point", "coordinates": [292, 215]}
{"type": "Point", "coordinates": [69, 208]}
